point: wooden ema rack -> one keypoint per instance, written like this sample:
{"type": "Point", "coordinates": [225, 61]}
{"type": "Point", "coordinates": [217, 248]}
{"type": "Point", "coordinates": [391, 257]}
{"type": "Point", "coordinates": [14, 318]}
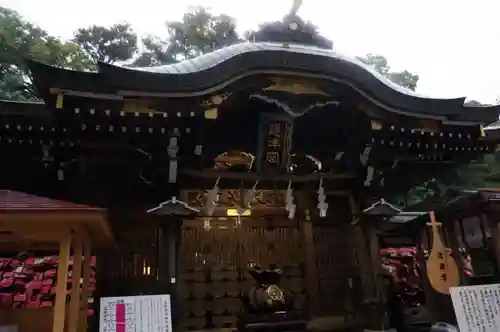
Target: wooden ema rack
{"type": "Point", "coordinates": [65, 228]}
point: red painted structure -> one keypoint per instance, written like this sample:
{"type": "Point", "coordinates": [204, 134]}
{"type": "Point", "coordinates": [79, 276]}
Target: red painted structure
{"type": "Point", "coordinates": [29, 282]}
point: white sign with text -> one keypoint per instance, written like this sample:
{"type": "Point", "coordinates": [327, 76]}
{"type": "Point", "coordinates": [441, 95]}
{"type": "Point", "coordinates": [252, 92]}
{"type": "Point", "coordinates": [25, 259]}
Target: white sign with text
{"type": "Point", "coordinates": [477, 308]}
{"type": "Point", "coordinates": [150, 313]}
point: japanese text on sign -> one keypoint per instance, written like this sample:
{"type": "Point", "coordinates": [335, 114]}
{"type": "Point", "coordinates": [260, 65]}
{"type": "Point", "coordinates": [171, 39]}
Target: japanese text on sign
{"type": "Point", "coordinates": [477, 308]}
{"type": "Point", "coordinates": [274, 138]}
{"type": "Point", "coordinates": [442, 266]}
{"type": "Point", "coordinates": [136, 314]}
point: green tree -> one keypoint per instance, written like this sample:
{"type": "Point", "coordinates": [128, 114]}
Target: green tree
{"type": "Point", "coordinates": [20, 40]}
{"type": "Point", "coordinates": [199, 32]}
{"type": "Point", "coordinates": [108, 44]}
{"type": "Point", "coordinates": [474, 103]}
{"type": "Point", "coordinates": [380, 64]}
{"type": "Point", "coordinates": [156, 52]}
{"type": "Point", "coordinates": [13, 85]}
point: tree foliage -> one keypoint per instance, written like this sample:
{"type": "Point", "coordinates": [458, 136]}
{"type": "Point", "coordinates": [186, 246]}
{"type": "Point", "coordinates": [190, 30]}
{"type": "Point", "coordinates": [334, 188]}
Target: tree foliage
{"type": "Point", "coordinates": [21, 40]}
{"type": "Point", "coordinates": [473, 103]}
{"type": "Point", "coordinates": [199, 32]}
{"type": "Point", "coordinates": [380, 64]}
{"type": "Point", "coordinates": [156, 52]}
{"type": "Point", "coordinates": [108, 44]}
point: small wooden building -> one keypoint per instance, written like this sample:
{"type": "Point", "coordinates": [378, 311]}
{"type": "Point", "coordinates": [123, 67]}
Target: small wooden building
{"type": "Point", "coordinates": [470, 229]}
{"type": "Point", "coordinates": [57, 302]}
{"type": "Point", "coordinates": [277, 146]}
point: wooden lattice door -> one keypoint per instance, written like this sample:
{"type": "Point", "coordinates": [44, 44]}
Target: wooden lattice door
{"type": "Point", "coordinates": [338, 271]}
{"type": "Point", "coordinates": [215, 257]}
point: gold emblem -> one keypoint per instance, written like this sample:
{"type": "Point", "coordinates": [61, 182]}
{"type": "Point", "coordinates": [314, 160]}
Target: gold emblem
{"type": "Point", "coordinates": [216, 100]}
{"type": "Point", "coordinates": [272, 157]}
{"type": "Point", "coordinates": [295, 86]}
{"type": "Point", "coordinates": [274, 293]}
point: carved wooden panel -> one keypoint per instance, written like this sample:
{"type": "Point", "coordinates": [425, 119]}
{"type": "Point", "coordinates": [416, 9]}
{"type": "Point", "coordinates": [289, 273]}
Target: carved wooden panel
{"type": "Point", "coordinates": [338, 272]}
{"type": "Point", "coordinates": [215, 257]}
{"type": "Point", "coordinates": [232, 198]}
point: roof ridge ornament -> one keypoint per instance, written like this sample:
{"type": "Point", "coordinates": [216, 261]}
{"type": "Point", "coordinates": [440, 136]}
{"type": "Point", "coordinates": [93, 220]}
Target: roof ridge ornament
{"type": "Point", "coordinates": [292, 29]}
{"type": "Point", "coordinates": [295, 7]}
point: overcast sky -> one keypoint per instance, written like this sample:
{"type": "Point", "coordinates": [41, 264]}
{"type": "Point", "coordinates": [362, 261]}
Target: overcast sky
{"type": "Point", "coordinates": [454, 46]}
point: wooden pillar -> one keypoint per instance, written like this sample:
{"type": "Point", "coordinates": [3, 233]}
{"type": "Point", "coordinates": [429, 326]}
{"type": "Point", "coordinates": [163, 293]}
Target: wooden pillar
{"type": "Point", "coordinates": [76, 274]}
{"type": "Point", "coordinates": [173, 251]}
{"type": "Point", "coordinates": [450, 227]}
{"type": "Point", "coordinates": [365, 264]}
{"type": "Point", "coordinates": [62, 279]}
{"type": "Point", "coordinates": [422, 265]}
{"type": "Point", "coordinates": [374, 247]}
{"type": "Point", "coordinates": [493, 222]}
{"type": "Point", "coordinates": [84, 299]}
{"type": "Point", "coordinates": [170, 239]}
{"type": "Point", "coordinates": [311, 268]}
{"type": "Point", "coordinates": [378, 308]}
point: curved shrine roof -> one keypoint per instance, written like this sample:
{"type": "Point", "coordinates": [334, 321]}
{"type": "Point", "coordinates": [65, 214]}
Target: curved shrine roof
{"type": "Point", "coordinates": [218, 69]}
{"type": "Point", "coordinates": [214, 58]}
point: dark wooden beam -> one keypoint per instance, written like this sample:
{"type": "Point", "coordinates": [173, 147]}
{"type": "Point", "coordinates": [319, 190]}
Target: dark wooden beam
{"type": "Point", "coordinates": [251, 176]}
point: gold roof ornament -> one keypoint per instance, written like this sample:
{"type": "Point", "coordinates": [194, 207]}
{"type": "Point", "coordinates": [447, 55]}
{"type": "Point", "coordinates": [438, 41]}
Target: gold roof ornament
{"type": "Point", "coordinates": [430, 126]}
{"type": "Point", "coordinates": [211, 114]}
{"type": "Point", "coordinates": [375, 124]}
{"type": "Point", "coordinates": [231, 158]}
{"type": "Point", "coordinates": [211, 105]}
{"type": "Point", "coordinates": [216, 100]}
{"type": "Point", "coordinates": [137, 105]}
{"type": "Point", "coordinates": [295, 86]}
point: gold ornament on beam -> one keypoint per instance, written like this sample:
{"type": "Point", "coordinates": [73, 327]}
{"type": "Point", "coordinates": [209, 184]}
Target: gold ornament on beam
{"type": "Point", "coordinates": [137, 105]}
{"type": "Point", "coordinates": [481, 131]}
{"type": "Point", "coordinates": [229, 159]}
{"type": "Point", "coordinates": [59, 101]}
{"type": "Point", "coordinates": [295, 86]}
{"type": "Point", "coordinates": [211, 105]}
{"type": "Point", "coordinates": [375, 124]}
{"type": "Point", "coordinates": [216, 100]}
{"type": "Point", "coordinates": [430, 126]}
{"type": "Point", "coordinates": [211, 114]}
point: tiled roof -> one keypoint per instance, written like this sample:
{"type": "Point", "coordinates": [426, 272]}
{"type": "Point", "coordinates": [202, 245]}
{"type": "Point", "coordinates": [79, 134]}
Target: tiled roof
{"type": "Point", "coordinates": [17, 201]}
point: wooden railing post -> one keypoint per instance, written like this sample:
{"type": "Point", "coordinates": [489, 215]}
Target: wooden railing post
{"type": "Point", "coordinates": [311, 268]}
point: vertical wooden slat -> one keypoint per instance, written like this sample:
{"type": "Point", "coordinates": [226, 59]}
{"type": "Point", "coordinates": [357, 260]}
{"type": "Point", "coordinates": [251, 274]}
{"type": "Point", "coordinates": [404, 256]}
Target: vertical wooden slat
{"type": "Point", "coordinates": [84, 299]}
{"type": "Point", "coordinates": [363, 253]}
{"type": "Point", "coordinates": [452, 231]}
{"type": "Point", "coordinates": [62, 279]}
{"type": "Point", "coordinates": [311, 268]}
{"type": "Point", "coordinates": [374, 247]}
{"type": "Point", "coordinates": [420, 246]}
{"type": "Point", "coordinates": [76, 275]}
{"type": "Point", "coordinates": [494, 225]}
